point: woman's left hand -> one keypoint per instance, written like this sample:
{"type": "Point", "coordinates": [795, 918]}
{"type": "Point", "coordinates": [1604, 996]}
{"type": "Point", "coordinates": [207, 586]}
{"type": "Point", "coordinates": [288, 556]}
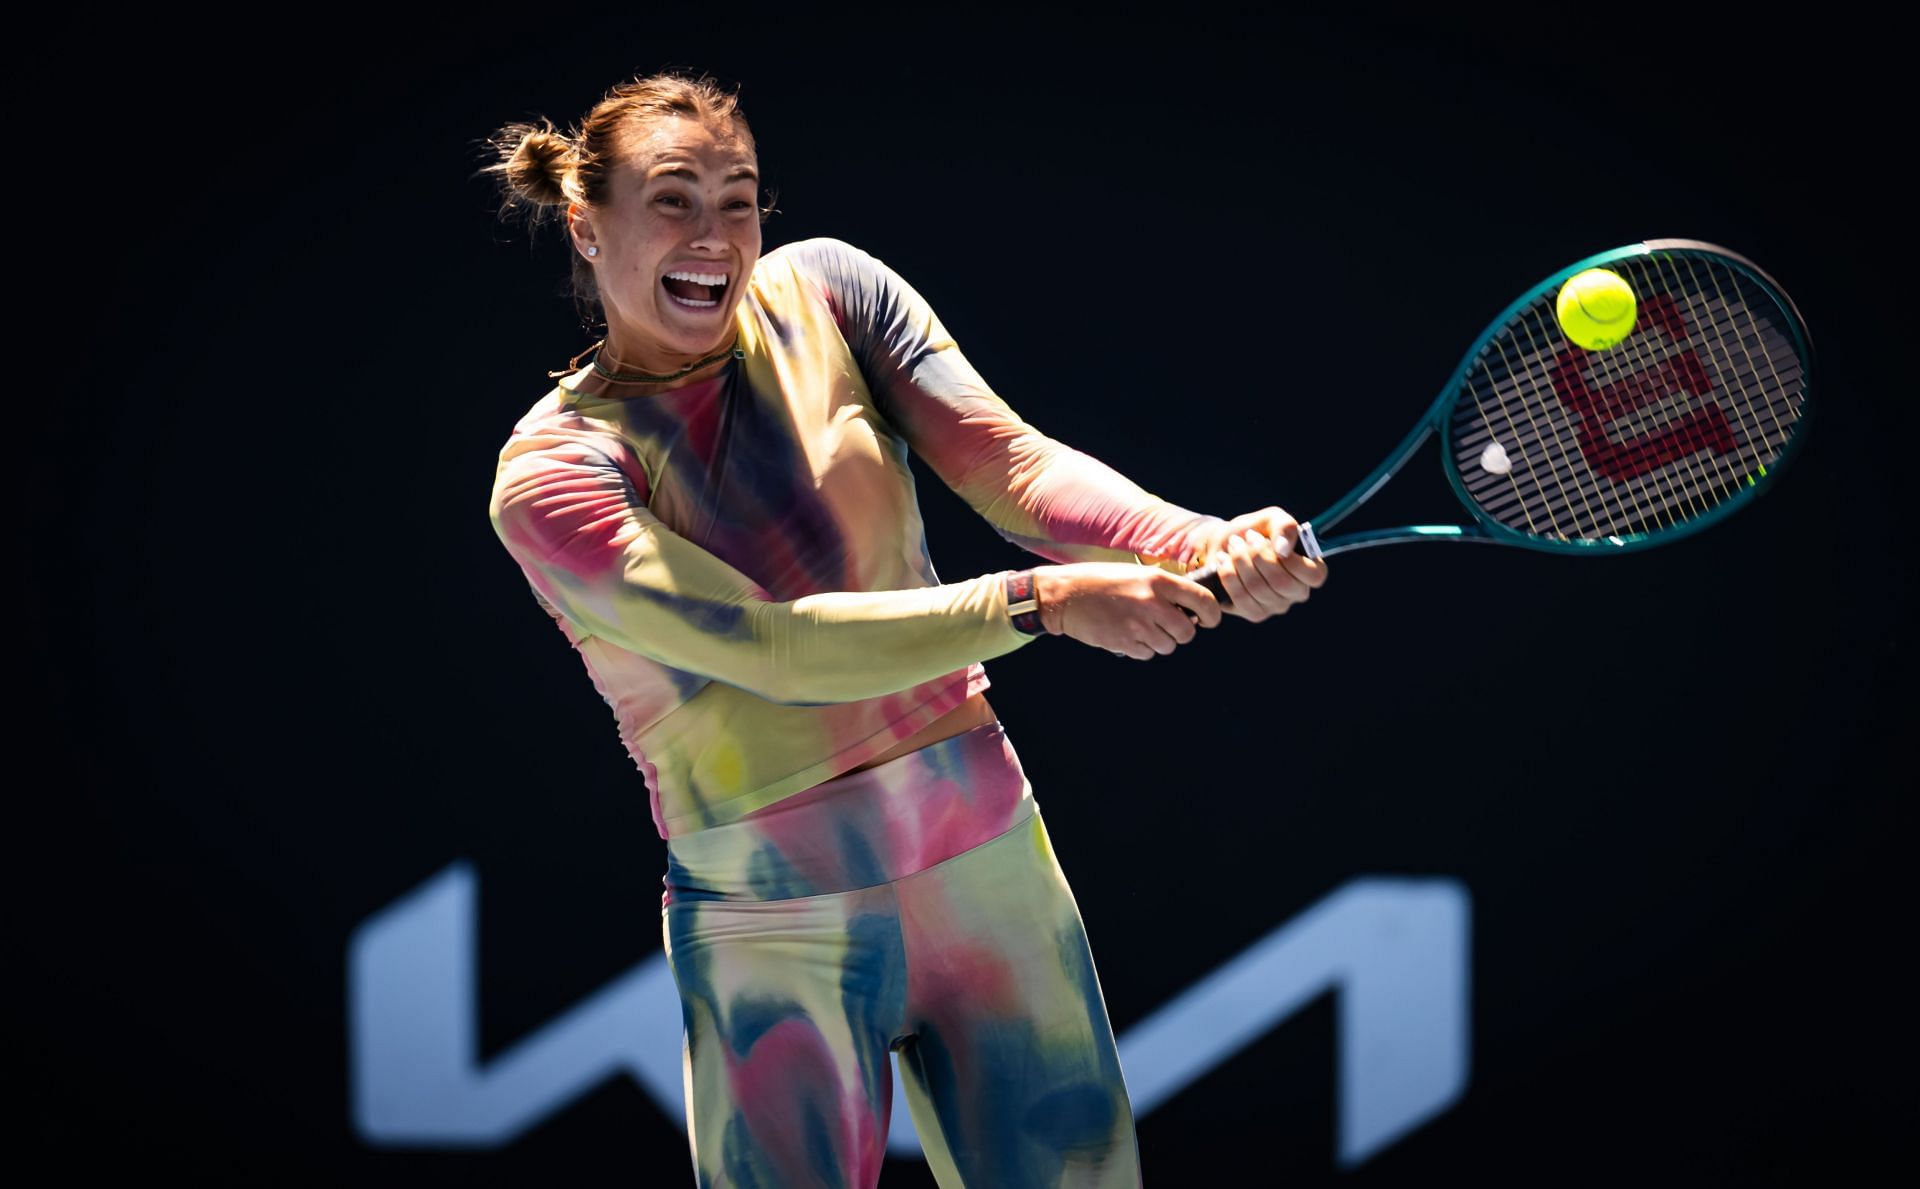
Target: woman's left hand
{"type": "Point", "coordinates": [1254, 555]}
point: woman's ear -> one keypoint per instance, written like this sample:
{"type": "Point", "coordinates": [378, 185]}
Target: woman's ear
{"type": "Point", "coordinates": [580, 229]}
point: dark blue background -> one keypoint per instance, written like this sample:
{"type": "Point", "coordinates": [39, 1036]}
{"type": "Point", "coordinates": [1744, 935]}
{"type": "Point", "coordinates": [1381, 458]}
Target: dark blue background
{"type": "Point", "coordinates": [292, 673]}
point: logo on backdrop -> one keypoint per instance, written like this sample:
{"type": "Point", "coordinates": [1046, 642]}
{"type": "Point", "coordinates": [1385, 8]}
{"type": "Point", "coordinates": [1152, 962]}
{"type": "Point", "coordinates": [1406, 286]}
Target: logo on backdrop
{"type": "Point", "coordinates": [1395, 951]}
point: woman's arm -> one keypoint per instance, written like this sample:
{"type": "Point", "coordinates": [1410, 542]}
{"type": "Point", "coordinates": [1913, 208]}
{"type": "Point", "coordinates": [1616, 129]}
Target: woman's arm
{"type": "Point", "coordinates": [575, 522]}
{"type": "Point", "coordinates": [1038, 493]}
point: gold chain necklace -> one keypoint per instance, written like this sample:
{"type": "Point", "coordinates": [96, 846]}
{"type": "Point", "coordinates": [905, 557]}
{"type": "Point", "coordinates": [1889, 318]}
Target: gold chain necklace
{"type": "Point", "coordinates": [573, 365]}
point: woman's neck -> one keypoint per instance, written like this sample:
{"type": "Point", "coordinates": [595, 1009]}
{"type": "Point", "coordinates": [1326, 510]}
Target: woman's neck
{"type": "Point", "coordinates": [631, 361]}
{"type": "Point", "coordinates": [613, 368]}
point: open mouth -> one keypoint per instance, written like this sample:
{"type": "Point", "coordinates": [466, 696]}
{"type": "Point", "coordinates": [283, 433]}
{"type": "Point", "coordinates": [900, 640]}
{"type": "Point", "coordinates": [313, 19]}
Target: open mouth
{"type": "Point", "coordinates": [695, 290]}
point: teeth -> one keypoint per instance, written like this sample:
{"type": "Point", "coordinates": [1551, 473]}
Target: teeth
{"type": "Point", "coordinates": [700, 278]}
{"type": "Point", "coordinates": [704, 305]}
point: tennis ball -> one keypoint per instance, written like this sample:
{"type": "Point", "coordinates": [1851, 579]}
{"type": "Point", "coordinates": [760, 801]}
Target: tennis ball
{"type": "Point", "coordinates": [1596, 308]}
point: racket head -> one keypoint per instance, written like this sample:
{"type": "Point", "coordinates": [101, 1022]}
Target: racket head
{"type": "Point", "coordinates": [1678, 426]}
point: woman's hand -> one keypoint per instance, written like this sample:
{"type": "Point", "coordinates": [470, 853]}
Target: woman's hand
{"type": "Point", "coordinates": [1126, 608]}
{"type": "Point", "coordinates": [1254, 555]}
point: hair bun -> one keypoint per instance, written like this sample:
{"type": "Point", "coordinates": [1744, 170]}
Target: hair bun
{"type": "Point", "coordinates": [535, 162]}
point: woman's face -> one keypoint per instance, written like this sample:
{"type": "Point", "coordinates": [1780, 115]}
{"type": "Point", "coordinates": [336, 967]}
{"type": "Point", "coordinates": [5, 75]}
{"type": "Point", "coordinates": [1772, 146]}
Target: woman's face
{"type": "Point", "coordinates": [678, 239]}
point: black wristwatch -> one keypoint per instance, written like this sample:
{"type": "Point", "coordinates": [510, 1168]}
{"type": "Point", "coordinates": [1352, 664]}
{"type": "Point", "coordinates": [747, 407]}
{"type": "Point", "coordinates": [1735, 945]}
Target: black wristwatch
{"type": "Point", "coordinates": [1023, 604]}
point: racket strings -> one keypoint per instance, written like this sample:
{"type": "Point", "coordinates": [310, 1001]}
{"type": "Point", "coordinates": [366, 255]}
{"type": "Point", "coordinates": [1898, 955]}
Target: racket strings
{"type": "Point", "coordinates": [1505, 408]}
{"type": "Point", "coordinates": [1671, 423]}
{"type": "Point", "coordinates": [1640, 355]}
{"type": "Point", "coordinates": [1614, 516]}
{"type": "Point", "coordinates": [1542, 457]}
{"type": "Point", "coordinates": [1566, 444]}
{"type": "Point", "coordinates": [1703, 466]}
{"type": "Point", "coordinates": [1555, 487]}
{"type": "Point", "coordinates": [1773, 373]}
{"type": "Point", "coordinates": [1748, 386]}
{"type": "Point", "coordinates": [1711, 465]}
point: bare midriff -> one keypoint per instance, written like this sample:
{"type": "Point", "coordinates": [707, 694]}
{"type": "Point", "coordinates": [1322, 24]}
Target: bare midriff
{"type": "Point", "coordinates": [967, 715]}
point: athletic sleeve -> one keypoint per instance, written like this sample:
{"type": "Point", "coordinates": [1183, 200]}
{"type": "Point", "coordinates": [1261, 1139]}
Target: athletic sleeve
{"type": "Point", "coordinates": [579, 527]}
{"type": "Point", "coordinates": [1040, 494]}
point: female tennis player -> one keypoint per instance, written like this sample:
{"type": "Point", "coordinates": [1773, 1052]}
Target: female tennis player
{"type": "Point", "coordinates": [718, 512]}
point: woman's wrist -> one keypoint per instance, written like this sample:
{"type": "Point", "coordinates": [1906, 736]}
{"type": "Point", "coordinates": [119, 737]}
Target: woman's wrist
{"type": "Point", "coordinates": [1206, 541]}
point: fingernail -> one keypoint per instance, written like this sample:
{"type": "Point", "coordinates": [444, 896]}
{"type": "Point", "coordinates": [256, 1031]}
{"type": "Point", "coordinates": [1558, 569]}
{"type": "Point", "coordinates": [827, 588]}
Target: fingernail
{"type": "Point", "coordinates": [1220, 560]}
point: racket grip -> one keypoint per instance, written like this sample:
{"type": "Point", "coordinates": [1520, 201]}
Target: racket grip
{"type": "Point", "coordinates": [1309, 545]}
{"type": "Point", "coordinates": [1207, 578]}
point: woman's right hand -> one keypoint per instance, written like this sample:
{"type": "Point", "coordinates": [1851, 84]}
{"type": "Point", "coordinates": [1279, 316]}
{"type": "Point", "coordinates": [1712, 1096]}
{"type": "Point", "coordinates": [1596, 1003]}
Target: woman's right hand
{"type": "Point", "coordinates": [1124, 607]}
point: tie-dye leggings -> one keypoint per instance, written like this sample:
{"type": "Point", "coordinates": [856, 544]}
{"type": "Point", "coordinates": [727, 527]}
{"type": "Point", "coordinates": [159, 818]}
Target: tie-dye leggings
{"type": "Point", "coordinates": [917, 907]}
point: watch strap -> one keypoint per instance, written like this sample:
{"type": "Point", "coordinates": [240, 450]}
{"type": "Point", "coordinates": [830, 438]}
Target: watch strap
{"type": "Point", "coordinates": [1023, 603]}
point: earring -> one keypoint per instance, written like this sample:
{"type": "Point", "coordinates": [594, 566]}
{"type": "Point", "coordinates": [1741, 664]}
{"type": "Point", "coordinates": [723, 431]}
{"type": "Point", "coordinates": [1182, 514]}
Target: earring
{"type": "Point", "coordinates": [593, 250]}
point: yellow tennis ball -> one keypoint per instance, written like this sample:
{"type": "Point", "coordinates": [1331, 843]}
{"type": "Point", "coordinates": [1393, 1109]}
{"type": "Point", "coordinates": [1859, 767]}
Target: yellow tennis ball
{"type": "Point", "coordinates": [1596, 308]}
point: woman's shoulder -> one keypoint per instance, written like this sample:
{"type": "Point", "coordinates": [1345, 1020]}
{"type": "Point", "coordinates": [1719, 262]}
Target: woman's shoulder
{"type": "Point", "coordinates": [568, 408]}
{"type": "Point", "coordinates": [819, 269]}
{"type": "Point", "coordinates": [812, 246]}
{"type": "Point", "coordinates": [559, 432]}
{"type": "Point", "coordinates": [817, 255]}
{"type": "Point", "coordinates": [574, 387]}
{"type": "Point", "coordinates": [556, 401]}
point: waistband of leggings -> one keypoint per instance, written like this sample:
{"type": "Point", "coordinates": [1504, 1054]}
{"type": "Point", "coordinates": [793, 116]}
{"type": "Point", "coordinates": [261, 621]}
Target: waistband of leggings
{"type": "Point", "coordinates": [859, 829]}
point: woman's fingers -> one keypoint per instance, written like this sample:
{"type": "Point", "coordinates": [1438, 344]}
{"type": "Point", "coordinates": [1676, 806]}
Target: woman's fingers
{"type": "Point", "coordinates": [1312, 573]}
{"type": "Point", "coordinates": [1240, 601]}
{"type": "Point", "coordinates": [1188, 596]}
{"type": "Point", "coordinates": [1278, 575]}
{"type": "Point", "coordinates": [1281, 528]}
{"type": "Point", "coordinates": [1161, 628]}
{"type": "Point", "coordinates": [1261, 599]}
{"type": "Point", "coordinates": [1260, 581]}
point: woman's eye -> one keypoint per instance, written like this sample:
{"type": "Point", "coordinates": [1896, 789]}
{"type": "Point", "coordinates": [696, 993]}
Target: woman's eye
{"type": "Point", "coordinates": [679, 200]}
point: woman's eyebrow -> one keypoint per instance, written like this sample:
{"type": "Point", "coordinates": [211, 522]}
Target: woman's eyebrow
{"type": "Point", "coordinates": [740, 173]}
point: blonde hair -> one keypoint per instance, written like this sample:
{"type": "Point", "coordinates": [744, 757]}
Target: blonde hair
{"type": "Point", "coordinates": [540, 170]}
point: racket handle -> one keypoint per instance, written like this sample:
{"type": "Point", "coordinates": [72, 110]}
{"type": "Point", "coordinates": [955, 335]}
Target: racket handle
{"type": "Point", "coordinates": [1207, 578]}
{"type": "Point", "coordinates": [1309, 545]}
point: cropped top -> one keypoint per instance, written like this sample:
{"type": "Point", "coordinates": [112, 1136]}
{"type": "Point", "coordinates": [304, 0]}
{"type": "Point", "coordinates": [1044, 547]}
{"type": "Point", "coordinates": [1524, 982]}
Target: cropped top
{"type": "Point", "coordinates": [741, 561]}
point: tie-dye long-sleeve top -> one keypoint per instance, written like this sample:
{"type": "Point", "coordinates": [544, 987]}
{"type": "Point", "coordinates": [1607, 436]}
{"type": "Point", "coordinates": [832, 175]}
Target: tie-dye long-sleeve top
{"type": "Point", "coordinates": [741, 561]}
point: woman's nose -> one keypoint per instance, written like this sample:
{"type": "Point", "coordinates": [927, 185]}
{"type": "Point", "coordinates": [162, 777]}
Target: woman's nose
{"type": "Point", "coordinates": [707, 229]}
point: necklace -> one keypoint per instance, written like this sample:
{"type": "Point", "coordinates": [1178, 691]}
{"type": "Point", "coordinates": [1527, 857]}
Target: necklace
{"type": "Point", "coordinates": [646, 377]}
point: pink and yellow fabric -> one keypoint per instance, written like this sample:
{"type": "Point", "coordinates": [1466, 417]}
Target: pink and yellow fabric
{"type": "Point", "coordinates": [915, 907]}
{"type": "Point", "coordinates": [741, 562]}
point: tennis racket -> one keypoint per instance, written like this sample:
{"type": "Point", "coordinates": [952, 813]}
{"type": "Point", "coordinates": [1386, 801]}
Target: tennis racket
{"type": "Point", "coordinates": [1555, 447]}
